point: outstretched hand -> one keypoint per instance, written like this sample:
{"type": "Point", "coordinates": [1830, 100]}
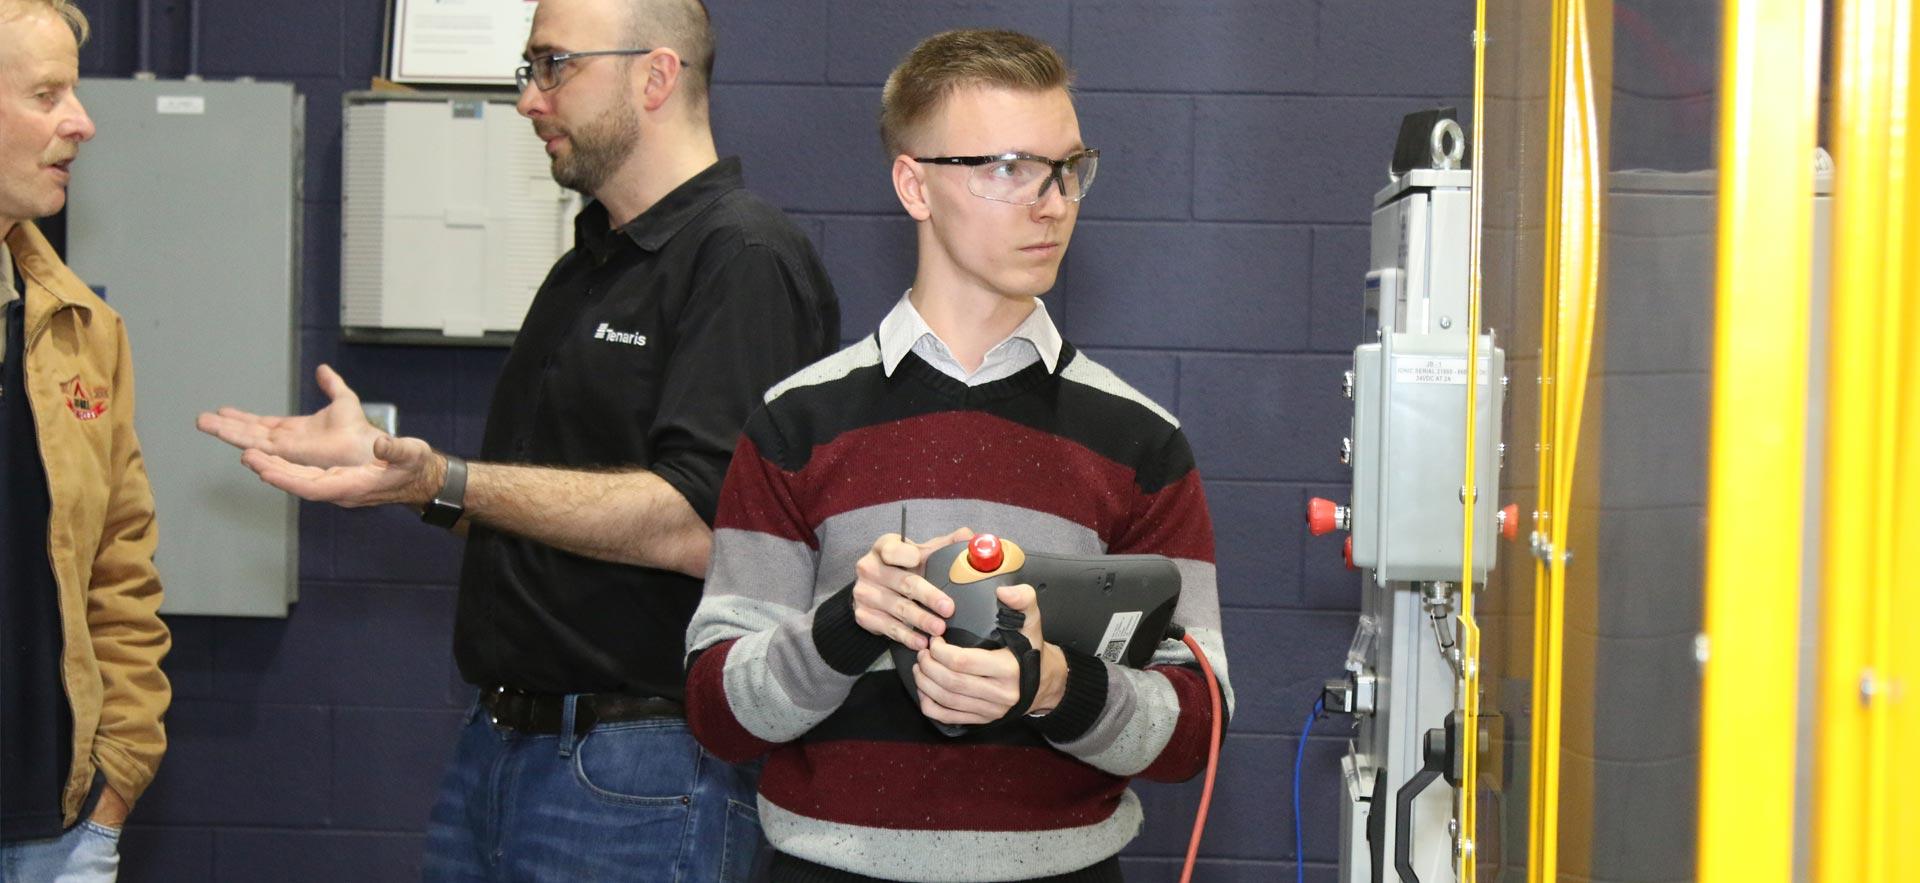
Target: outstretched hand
{"type": "Point", "coordinates": [336, 435]}
{"type": "Point", "coordinates": [399, 470]}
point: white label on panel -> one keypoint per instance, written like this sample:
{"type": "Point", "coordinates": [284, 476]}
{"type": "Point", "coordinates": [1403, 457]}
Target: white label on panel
{"type": "Point", "coordinates": [1120, 629]}
{"type": "Point", "coordinates": [1428, 369]}
{"type": "Point", "coordinates": [187, 104]}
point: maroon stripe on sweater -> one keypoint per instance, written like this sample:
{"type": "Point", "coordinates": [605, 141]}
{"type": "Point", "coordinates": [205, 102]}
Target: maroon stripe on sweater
{"type": "Point", "coordinates": [959, 455]}
{"type": "Point", "coordinates": [1173, 521]}
{"type": "Point", "coordinates": [708, 714]}
{"type": "Point", "coordinates": [761, 502]}
{"type": "Point", "coordinates": [1185, 754]}
{"type": "Point", "coordinates": [939, 786]}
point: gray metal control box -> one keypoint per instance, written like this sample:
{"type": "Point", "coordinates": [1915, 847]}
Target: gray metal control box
{"type": "Point", "coordinates": [184, 212]}
{"type": "Point", "coordinates": [1409, 450]}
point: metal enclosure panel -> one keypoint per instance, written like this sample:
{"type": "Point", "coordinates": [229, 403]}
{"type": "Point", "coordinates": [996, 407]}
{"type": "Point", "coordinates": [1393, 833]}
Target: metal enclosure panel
{"type": "Point", "coordinates": [1407, 451]}
{"type": "Point", "coordinates": [1425, 447]}
{"type": "Point", "coordinates": [1368, 458]}
{"type": "Point", "coordinates": [450, 218]}
{"type": "Point", "coordinates": [184, 212]}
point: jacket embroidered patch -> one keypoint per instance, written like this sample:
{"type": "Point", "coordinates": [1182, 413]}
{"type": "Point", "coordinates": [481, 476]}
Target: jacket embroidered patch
{"type": "Point", "coordinates": [86, 404]}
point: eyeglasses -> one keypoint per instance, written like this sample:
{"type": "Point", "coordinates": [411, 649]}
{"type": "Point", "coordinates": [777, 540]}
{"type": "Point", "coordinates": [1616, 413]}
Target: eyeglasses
{"type": "Point", "coordinates": [1023, 178]}
{"type": "Point", "coordinates": [545, 70]}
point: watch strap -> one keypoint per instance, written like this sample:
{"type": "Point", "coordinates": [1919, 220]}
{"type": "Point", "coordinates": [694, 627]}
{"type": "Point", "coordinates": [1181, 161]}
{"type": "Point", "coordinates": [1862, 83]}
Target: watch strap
{"type": "Point", "coordinates": [449, 503]}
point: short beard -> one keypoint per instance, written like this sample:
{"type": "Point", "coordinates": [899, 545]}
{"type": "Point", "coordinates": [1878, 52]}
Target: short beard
{"type": "Point", "coordinates": [599, 148]}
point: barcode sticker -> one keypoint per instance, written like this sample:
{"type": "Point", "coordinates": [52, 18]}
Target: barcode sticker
{"type": "Point", "coordinates": [1120, 629]}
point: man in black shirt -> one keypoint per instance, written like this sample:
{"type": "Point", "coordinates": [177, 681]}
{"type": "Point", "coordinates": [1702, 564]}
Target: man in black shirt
{"type": "Point", "coordinates": [588, 512]}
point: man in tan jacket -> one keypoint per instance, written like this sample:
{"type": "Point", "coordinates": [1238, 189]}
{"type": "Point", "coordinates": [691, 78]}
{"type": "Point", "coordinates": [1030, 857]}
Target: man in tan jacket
{"type": "Point", "coordinates": [81, 691]}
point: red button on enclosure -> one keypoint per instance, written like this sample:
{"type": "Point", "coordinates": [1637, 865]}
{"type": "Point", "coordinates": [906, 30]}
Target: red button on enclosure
{"type": "Point", "coordinates": [984, 554]}
{"type": "Point", "coordinates": [1510, 525]}
{"type": "Point", "coordinates": [1347, 553]}
{"type": "Point", "coordinates": [1322, 515]}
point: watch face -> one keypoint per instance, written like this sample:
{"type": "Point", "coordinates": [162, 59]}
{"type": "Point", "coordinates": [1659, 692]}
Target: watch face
{"type": "Point", "coordinates": [440, 513]}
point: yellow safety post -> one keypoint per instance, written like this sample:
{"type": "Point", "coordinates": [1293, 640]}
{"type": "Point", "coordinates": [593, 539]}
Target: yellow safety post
{"type": "Point", "coordinates": [1543, 806]}
{"type": "Point", "coordinates": [1570, 295]}
{"type": "Point", "coordinates": [1755, 492]}
{"type": "Point", "coordinates": [1865, 823]}
{"type": "Point", "coordinates": [1903, 616]}
{"type": "Point", "coordinates": [1466, 862]}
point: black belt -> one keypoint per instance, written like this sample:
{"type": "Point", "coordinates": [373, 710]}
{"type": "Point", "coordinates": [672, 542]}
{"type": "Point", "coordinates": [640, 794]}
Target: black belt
{"type": "Point", "coordinates": [540, 713]}
{"type": "Point", "coordinates": [792, 869]}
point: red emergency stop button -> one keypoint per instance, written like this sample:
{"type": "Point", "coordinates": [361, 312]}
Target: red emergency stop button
{"type": "Point", "coordinates": [1510, 521]}
{"type": "Point", "coordinates": [1325, 515]}
{"type": "Point", "coordinates": [1348, 553]}
{"type": "Point", "coordinates": [984, 553]}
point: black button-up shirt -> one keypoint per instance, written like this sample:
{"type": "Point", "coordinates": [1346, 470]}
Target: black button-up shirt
{"type": "Point", "coordinates": [646, 346]}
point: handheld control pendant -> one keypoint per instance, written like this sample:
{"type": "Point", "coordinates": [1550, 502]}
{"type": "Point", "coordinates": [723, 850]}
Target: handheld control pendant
{"type": "Point", "coordinates": [1115, 607]}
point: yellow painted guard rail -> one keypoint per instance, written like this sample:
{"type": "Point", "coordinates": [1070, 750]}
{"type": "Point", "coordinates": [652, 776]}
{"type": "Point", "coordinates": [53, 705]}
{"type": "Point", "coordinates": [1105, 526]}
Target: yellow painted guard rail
{"type": "Point", "coordinates": [1755, 492]}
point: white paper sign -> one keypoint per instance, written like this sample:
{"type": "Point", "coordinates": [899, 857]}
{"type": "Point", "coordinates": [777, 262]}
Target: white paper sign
{"type": "Point", "coordinates": [474, 42]}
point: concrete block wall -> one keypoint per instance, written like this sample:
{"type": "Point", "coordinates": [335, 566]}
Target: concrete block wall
{"type": "Point", "coordinates": [1216, 266]}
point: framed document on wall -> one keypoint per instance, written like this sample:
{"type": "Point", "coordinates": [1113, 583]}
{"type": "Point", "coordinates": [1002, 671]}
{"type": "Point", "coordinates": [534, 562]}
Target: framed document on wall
{"type": "Point", "coordinates": [456, 42]}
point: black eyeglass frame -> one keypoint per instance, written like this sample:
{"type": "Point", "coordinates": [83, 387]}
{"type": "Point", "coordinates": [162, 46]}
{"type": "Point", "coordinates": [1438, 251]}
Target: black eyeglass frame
{"type": "Point", "coordinates": [1055, 175]}
{"type": "Point", "coordinates": [523, 74]}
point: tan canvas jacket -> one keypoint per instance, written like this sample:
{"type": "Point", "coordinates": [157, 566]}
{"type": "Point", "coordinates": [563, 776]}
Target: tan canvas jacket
{"type": "Point", "coordinates": [101, 536]}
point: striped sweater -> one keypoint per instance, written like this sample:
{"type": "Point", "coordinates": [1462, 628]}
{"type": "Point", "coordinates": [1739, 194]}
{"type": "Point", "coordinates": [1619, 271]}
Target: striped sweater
{"type": "Point", "coordinates": [1070, 462]}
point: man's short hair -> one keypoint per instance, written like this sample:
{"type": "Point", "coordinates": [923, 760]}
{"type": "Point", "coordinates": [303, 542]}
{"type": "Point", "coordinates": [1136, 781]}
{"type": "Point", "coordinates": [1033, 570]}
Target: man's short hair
{"type": "Point", "coordinates": [684, 27]}
{"type": "Point", "coordinates": [953, 60]}
{"type": "Point", "coordinates": [69, 13]}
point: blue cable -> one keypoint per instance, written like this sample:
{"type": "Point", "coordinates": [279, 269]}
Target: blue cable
{"type": "Point", "coordinates": [1299, 756]}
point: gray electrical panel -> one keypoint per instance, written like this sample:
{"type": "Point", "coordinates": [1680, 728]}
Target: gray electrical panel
{"type": "Point", "coordinates": [184, 212]}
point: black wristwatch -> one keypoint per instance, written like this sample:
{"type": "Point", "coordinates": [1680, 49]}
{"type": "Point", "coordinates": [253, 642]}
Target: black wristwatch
{"type": "Point", "coordinates": [446, 507]}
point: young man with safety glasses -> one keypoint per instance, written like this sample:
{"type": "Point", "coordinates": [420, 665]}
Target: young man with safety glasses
{"type": "Point", "coordinates": [966, 410]}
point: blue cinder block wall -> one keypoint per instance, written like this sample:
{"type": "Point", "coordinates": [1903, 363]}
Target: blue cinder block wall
{"type": "Point", "coordinates": [1216, 266]}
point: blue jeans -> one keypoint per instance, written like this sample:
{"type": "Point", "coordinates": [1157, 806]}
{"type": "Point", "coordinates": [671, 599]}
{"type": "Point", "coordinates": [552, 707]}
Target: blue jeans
{"type": "Point", "coordinates": [634, 800]}
{"type": "Point", "coordinates": [88, 853]}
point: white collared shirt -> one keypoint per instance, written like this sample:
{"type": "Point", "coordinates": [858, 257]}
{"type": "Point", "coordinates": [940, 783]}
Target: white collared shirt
{"type": "Point", "coordinates": [1034, 340]}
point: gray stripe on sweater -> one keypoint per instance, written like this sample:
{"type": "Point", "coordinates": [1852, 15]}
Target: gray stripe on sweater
{"type": "Point", "coordinates": [1142, 708]}
{"type": "Point", "coordinates": [1085, 371]}
{"type": "Point", "coordinates": [1213, 645]}
{"type": "Point", "coordinates": [1139, 719]}
{"type": "Point", "coordinates": [762, 567]}
{"type": "Point", "coordinates": [863, 354]}
{"type": "Point", "coordinates": [723, 617]}
{"type": "Point", "coordinates": [1198, 609]}
{"type": "Point", "coordinates": [951, 856]}
{"type": "Point", "coordinates": [1199, 612]}
{"type": "Point", "coordinates": [777, 687]}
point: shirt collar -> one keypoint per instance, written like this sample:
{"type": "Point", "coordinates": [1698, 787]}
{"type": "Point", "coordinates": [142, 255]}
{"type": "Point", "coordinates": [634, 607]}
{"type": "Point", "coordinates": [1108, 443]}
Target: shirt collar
{"type": "Point", "coordinates": [904, 326]}
{"type": "Point", "coordinates": [655, 226]}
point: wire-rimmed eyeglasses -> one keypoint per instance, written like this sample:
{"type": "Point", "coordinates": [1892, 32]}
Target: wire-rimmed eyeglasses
{"type": "Point", "coordinates": [545, 70]}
